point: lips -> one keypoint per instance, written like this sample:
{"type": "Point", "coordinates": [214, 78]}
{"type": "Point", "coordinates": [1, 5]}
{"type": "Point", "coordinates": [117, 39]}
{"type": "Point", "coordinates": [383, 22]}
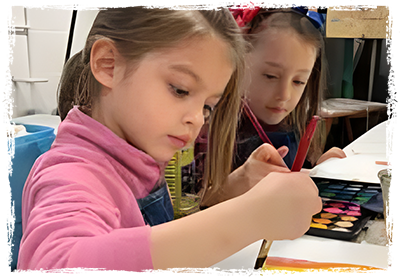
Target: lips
{"type": "Point", "coordinates": [277, 109]}
{"type": "Point", "coordinates": [179, 141]}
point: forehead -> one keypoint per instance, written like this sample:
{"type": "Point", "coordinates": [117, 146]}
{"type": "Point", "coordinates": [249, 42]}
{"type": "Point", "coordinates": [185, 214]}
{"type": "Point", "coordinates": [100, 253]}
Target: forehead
{"type": "Point", "coordinates": [183, 51]}
{"type": "Point", "coordinates": [205, 61]}
{"type": "Point", "coordinates": [282, 51]}
{"type": "Point", "coordinates": [274, 40]}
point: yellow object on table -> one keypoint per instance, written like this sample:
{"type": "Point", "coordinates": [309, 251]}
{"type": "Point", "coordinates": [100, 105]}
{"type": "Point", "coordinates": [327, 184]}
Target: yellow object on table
{"type": "Point", "coordinates": [285, 267]}
{"type": "Point", "coordinates": [183, 203]}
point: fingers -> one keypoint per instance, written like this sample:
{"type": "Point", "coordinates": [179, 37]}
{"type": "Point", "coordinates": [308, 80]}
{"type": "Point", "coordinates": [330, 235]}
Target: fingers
{"type": "Point", "coordinates": [296, 198]}
{"type": "Point", "coordinates": [333, 152]}
{"type": "Point", "coordinates": [267, 153]}
{"type": "Point", "coordinates": [303, 188]}
{"type": "Point", "coordinates": [302, 180]}
{"type": "Point", "coordinates": [283, 151]}
{"type": "Point", "coordinates": [337, 152]}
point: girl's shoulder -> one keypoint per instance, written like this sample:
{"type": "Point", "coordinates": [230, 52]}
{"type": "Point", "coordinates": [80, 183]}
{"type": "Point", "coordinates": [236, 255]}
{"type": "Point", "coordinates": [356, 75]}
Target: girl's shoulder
{"type": "Point", "coordinates": [73, 166]}
{"type": "Point", "coordinates": [86, 147]}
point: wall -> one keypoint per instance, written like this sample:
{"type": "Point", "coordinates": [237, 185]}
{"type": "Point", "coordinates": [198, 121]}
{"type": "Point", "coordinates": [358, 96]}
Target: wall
{"type": "Point", "coordinates": [41, 54]}
{"type": "Point", "coordinates": [38, 54]}
{"type": "Point", "coordinates": [84, 21]}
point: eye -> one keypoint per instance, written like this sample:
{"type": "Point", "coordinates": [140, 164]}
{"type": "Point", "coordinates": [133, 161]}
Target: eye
{"type": "Point", "coordinates": [207, 111]}
{"type": "Point", "coordinates": [270, 76]}
{"type": "Point", "coordinates": [179, 92]}
{"type": "Point", "coordinates": [298, 82]}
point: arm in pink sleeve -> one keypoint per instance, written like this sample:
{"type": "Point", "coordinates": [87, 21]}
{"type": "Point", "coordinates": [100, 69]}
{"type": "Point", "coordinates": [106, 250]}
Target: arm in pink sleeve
{"type": "Point", "coordinates": [69, 225]}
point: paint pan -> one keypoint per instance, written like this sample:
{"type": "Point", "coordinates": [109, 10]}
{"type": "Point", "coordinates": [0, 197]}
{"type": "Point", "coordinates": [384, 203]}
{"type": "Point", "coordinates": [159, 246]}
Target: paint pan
{"type": "Point", "coordinates": [327, 194]}
{"type": "Point", "coordinates": [333, 210]}
{"type": "Point", "coordinates": [342, 230]}
{"type": "Point", "coordinates": [322, 220]}
{"type": "Point", "coordinates": [344, 224]}
{"type": "Point", "coordinates": [353, 207]}
{"type": "Point", "coordinates": [336, 186]}
{"type": "Point", "coordinates": [348, 218]}
{"type": "Point", "coordinates": [351, 188]}
{"type": "Point", "coordinates": [332, 191]}
{"type": "Point", "coordinates": [353, 213]}
{"type": "Point", "coordinates": [328, 215]}
{"type": "Point", "coordinates": [362, 200]}
{"type": "Point", "coordinates": [365, 194]}
{"type": "Point", "coordinates": [349, 193]}
{"type": "Point", "coordinates": [324, 182]}
{"type": "Point", "coordinates": [318, 226]}
{"type": "Point", "coordinates": [345, 197]}
{"type": "Point", "coordinates": [337, 205]}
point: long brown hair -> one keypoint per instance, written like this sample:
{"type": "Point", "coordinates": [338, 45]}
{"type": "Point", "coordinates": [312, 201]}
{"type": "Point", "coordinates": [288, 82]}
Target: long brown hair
{"type": "Point", "coordinates": [137, 31]}
{"type": "Point", "coordinates": [316, 87]}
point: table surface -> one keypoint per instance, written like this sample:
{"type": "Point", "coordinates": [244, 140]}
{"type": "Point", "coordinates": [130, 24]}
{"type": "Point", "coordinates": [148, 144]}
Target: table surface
{"type": "Point", "coordinates": [363, 152]}
{"type": "Point", "coordinates": [370, 247]}
{"type": "Point", "coordinates": [342, 107]}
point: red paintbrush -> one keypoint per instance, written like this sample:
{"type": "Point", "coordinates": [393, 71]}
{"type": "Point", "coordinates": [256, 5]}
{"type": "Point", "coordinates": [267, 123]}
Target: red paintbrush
{"type": "Point", "coordinates": [297, 163]}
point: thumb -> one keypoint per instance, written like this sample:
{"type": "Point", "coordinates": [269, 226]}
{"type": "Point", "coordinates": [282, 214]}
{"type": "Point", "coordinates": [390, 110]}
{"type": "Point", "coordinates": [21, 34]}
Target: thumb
{"type": "Point", "coordinates": [283, 151]}
{"type": "Point", "coordinates": [268, 153]}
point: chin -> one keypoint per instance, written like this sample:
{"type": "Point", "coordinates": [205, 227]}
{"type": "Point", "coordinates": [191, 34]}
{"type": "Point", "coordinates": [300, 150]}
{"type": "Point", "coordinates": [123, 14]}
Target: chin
{"type": "Point", "coordinates": [165, 158]}
{"type": "Point", "coordinates": [273, 122]}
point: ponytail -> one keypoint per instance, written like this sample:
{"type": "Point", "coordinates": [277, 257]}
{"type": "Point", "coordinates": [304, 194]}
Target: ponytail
{"type": "Point", "coordinates": [76, 85]}
{"type": "Point", "coordinates": [68, 86]}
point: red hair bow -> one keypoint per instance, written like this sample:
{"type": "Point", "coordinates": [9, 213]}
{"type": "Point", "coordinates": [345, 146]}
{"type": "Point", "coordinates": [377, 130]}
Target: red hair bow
{"type": "Point", "coordinates": [244, 15]}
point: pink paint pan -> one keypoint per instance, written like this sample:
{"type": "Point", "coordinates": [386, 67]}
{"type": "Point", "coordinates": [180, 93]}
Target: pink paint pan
{"type": "Point", "coordinates": [338, 219]}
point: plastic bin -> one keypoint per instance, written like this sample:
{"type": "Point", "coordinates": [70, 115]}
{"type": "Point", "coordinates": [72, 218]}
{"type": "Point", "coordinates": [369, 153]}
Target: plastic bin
{"type": "Point", "coordinates": [22, 152]}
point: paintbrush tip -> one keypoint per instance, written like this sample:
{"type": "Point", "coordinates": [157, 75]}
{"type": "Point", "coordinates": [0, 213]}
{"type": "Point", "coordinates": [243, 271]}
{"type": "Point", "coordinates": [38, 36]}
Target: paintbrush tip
{"type": "Point", "coordinates": [259, 263]}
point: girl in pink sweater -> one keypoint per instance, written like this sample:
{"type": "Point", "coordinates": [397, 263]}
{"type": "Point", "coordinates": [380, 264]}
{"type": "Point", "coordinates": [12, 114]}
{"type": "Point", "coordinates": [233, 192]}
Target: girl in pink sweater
{"type": "Point", "coordinates": [146, 81]}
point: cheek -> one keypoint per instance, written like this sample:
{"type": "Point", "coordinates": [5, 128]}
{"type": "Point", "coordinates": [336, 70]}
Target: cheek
{"type": "Point", "coordinates": [296, 100]}
{"type": "Point", "coordinates": [254, 85]}
{"type": "Point", "coordinates": [298, 97]}
{"type": "Point", "coordinates": [258, 92]}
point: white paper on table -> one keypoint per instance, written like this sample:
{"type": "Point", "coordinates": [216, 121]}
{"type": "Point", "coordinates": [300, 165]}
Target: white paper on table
{"type": "Point", "coordinates": [318, 249]}
{"type": "Point", "coordinates": [373, 141]}
{"type": "Point", "coordinates": [310, 248]}
{"type": "Point", "coordinates": [358, 167]}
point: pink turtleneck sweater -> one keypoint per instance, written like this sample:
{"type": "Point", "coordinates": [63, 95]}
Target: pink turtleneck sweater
{"type": "Point", "coordinates": [79, 204]}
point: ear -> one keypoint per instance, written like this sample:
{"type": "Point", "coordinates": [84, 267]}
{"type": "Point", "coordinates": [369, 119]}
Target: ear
{"type": "Point", "coordinates": [102, 61]}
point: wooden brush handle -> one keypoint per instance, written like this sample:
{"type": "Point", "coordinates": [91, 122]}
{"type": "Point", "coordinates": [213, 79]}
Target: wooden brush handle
{"type": "Point", "coordinates": [263, 254]}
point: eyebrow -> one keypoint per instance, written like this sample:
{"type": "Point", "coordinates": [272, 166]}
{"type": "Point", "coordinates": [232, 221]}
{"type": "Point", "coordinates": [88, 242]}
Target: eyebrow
{"type": "Point", "coordinates": [277, 65]}
{"type": "Point", "coordinates": [184, 69]}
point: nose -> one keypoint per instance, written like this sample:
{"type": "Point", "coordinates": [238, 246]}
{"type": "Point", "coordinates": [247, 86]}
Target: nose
{"type": "Point", "coordinates": [283, 91]}
{"type": "Point", "coordinates": [195, 117]}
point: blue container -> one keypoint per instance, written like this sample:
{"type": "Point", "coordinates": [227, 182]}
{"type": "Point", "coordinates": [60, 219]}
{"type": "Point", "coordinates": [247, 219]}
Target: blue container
{"type": "Point", "coordinates": [27, 149]}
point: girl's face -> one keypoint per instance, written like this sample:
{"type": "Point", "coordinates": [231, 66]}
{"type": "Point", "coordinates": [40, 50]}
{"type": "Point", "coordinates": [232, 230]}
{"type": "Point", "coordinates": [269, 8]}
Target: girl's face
{"type": "Point", "coordinates": [278, 71]}
{"type": "Point", "coordinates": [161, 105]}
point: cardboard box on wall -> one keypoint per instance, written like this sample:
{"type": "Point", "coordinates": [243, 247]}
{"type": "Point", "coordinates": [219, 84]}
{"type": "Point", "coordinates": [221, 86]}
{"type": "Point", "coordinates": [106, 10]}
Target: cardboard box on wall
{"type": "Point", "coordinates": [353, 22]}
{"type": "Point", "coordinates": [369, 21]}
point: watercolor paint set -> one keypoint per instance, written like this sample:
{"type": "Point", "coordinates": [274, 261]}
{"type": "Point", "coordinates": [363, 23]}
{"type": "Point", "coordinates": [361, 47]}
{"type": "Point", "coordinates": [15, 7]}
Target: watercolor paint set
{"type": "Point", "coordinates": [342, 215]}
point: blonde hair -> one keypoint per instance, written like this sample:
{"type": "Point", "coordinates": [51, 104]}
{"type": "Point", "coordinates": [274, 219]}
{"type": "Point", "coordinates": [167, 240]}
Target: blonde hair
{"type": "Point", "coordinates": [137, 31]}
{"type": "Point", "coordinates": [315, 90]}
